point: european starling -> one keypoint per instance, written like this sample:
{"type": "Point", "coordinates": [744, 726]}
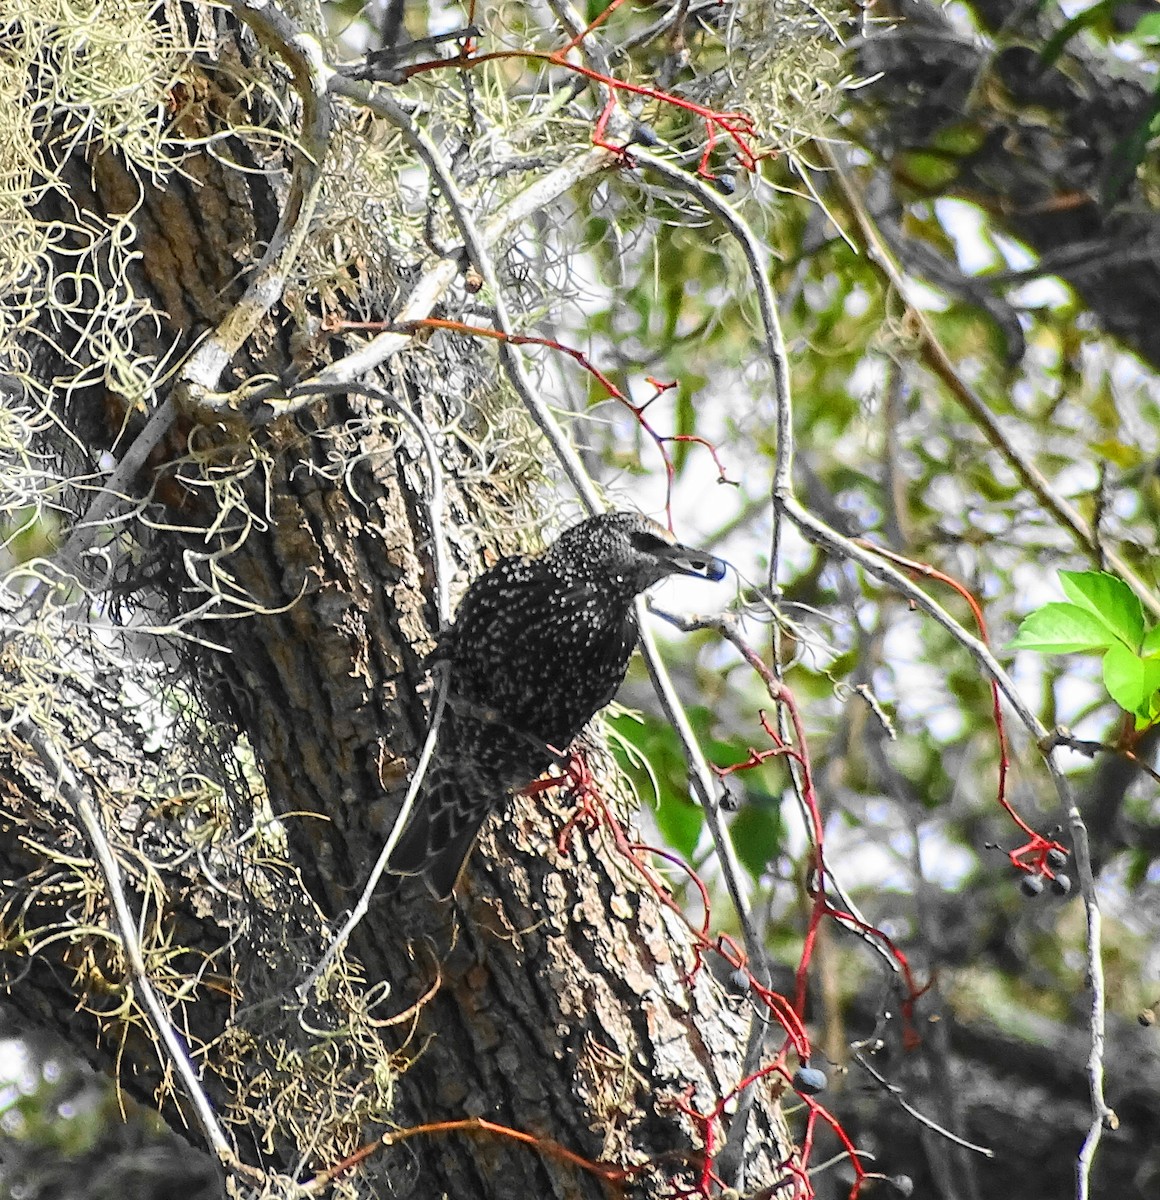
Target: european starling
{"type": "Point", "coordinates": [538, 647]}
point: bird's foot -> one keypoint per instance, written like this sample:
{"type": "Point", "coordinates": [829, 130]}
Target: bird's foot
{"type": "Point", "coordinates": [577, 778]}
{"type": "Point", "coordinates": [590, 810]}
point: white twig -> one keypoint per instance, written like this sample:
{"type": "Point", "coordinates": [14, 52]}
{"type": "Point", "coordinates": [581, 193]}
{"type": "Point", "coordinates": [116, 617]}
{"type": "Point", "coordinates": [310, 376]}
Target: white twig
{"type": "Point", "coordinates": [754, 254]}
{"type": "Point", "coordinates": [361, 909]}
{"type": "Point", "coordinates": [302, 53]}
{"type": "Point", "coordinates": [175, 1050]}
{"type": "Point", "coordinates": [424, 296]}
{"type": "Point", "coordinates": [703, 785]}
{"type": "Point", "coordinates": [895, 1091]}
{"type": "Point", "coordinates": [733, 1157]}
{"type": "Point", "coordinates": [1103, 1117]}
{"type": "Point", "coordinates": [435, 516]}
{"type": "Point", "coordinates": [701, 779]}
{"type": "Point", "coordinates": [434, 283]}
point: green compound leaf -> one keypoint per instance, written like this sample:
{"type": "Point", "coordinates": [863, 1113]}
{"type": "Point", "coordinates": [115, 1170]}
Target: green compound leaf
{"type": "Point", "coordinates": [1059, 628]}
{"type": "Point", "coordinates": [1131, 681]}
{"type": "Point", "coordinates": [1110, 599]}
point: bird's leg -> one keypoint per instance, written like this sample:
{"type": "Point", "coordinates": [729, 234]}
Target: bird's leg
{"type": "Point", "coordinates": [571, 765]}
{"type": "Point", "coordinates": [578, 779]}
{"type": "Point", "coordinates": [581, 785]}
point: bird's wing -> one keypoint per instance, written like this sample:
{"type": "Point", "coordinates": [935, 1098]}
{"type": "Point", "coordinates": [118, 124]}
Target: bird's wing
{"type": "Point", "coordinates": [450, 809]}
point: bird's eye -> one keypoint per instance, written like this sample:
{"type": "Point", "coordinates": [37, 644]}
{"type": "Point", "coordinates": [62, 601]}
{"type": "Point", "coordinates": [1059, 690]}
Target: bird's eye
{"type": "Point", "coordinates": [648, 543]}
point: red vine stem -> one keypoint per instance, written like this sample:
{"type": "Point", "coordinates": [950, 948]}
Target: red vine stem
{"type": "Point", "coordinates": [738, 126]}
{"type": "Point", "coordinates": [596, 21]}
{"type": "Point", "coordinates": [799, 752]}
{"type": "Point", "coordinates": [637, 410]}
{"type": "Point", "coordinates": [613, 1176]}
{"type": "Point", "coordinates": [1038, 847]}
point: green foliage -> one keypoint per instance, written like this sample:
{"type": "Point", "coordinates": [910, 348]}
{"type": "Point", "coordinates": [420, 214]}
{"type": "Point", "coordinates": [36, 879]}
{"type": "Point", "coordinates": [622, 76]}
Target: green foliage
{"type": "Point", "coordinates": [758, 834]}
{"type": "Point", "coordinates": [28, 533]}
{"type": "Point", "coordinates": [648, 748]}
{"type": "Point", "coordinates": [65, 1133]}
{"type": "Point", "coordinates": [1102, 614]}
{"type": "Point", "coordinates": [1095, 18]}
{"type": "Point", "coordinates": [1100, 21]}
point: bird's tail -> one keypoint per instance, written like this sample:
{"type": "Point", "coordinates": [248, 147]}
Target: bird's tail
{"type": "Point", "coordinates": [438, 838]}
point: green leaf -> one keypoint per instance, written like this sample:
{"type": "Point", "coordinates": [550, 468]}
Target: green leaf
{"type": "Point", "coordinates": [1147, 29]}
{"type": "Point", "coordinates": [686, 417]}
{"type": "Point", "coordinates": [651, 753]}
{"type": "Point", "coordinates": [1125, 455]}
{"type": "Point", "coordinates": [1058, 628]}
{"type": "Point", "coordinates": [1131, 681]}
{"type": "Point", "coordinates": [1088, 17]}
{"type": "Point", "coordinates": [1110, 599]}
{"type": "Point", "coordinates": [1151, 643]}
{"type": "Point", "coordinates": [757, 833]}
{"type": "Point", "coordinates": [680, 822]}
{"type": "Point", "coordinates": [1153, 712]}
{"type": "Point", "coordinates": [1127, 154]}
{"type": "Point", "coordinates": [928, 170]}
{"type": "Point", "coordinates": [1139, 863]}
{"type": "Point", "coordinates": [967, 137]}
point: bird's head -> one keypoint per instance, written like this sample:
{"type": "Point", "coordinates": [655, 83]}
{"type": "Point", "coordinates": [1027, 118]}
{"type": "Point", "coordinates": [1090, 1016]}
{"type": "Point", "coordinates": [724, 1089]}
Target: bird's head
{"type": "Point", "coordinates": [634, 548]}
